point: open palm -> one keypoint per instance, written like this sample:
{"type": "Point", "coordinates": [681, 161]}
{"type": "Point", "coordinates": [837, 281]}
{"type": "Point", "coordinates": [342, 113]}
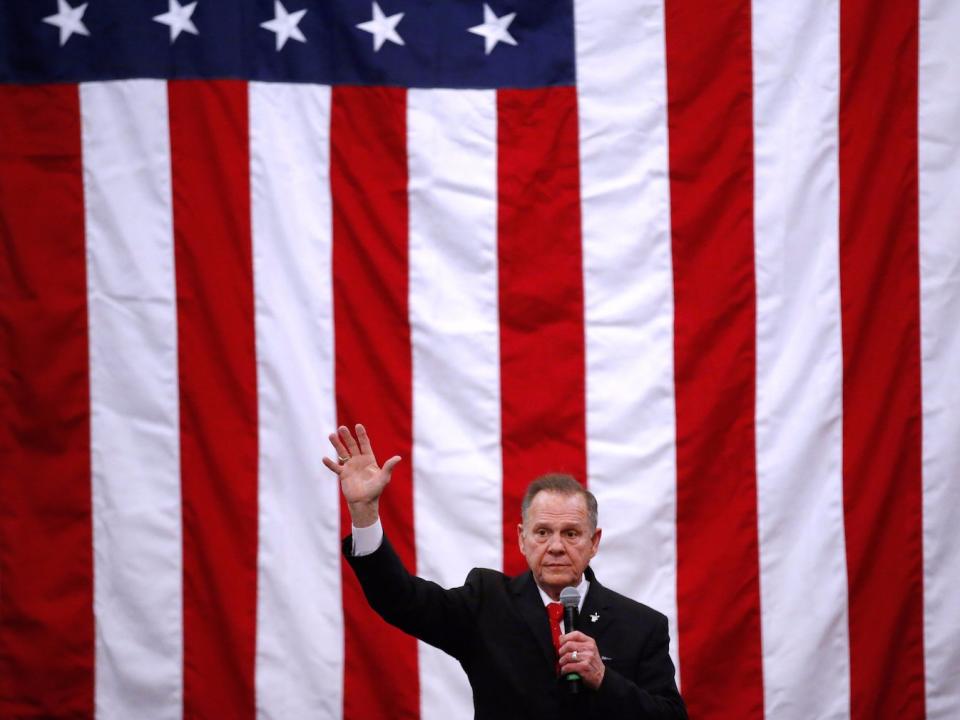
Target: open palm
{"type": "Point", "coordinates": [362, 480]}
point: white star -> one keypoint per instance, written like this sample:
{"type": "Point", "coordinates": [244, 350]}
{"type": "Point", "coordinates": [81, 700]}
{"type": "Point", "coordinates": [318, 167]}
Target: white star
{"type": "Point", "coordinates": [178, 18]}
{"type": "Point", "coordinates": [69, 20]}
{"type": "Point", "coordinates": [284, 24]}
{"type": "Point", "coordinates": [382, 28]}
{"type": "Point", "coordinates": [494, 29]}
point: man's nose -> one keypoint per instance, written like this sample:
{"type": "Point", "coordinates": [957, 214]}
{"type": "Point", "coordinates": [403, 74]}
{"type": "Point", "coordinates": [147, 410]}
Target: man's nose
{"type": "Point", "coordinates": [555, 545]}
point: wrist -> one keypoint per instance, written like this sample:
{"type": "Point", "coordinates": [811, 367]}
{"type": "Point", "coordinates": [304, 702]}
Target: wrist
{"type": "Point", "coordinates": [364, 514]}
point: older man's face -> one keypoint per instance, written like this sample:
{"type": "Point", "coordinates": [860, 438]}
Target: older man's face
{"type": "Point", "coordinates": [557, 540]}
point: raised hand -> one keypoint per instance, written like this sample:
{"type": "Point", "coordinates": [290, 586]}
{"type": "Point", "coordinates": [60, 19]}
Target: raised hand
{"type": "Point", "coordinates": [361, 480]}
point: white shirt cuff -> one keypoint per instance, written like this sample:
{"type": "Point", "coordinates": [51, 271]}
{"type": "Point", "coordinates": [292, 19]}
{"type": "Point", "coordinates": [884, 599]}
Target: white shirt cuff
{"type": "Point", "coordinates": [366, 540]}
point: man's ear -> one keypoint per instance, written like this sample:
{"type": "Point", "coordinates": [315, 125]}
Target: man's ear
{"type": "Point", "coordinates": [520, 538]}
{"type": "Point", "coordinates": [595, 540]}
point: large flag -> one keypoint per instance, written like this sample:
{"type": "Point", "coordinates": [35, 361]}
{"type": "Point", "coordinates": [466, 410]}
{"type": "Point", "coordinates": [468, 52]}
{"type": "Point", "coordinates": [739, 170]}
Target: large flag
{"type": "Point", "coordinates": [704, 255]}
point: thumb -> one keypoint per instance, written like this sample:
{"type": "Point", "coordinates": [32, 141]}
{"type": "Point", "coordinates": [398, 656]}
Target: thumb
{"type": "Point", "coordinates": [389, 465]}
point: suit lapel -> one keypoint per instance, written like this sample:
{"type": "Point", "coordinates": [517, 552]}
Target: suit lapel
{"type": "Point", "coordinates": [597, 614]}
{"type": "Point", "coordinates": [530, 605]}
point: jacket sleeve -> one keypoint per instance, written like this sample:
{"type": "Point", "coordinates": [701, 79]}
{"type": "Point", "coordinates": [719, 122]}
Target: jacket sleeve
{"type": "Point", "coordinates": [443, 618]}
{"type": "Point", "coordinates": [652, 693]}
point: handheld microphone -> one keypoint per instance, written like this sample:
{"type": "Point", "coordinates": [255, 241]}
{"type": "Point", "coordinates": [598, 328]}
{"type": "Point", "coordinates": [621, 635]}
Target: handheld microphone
{"type": "Point", "coordinates": [570, 599]}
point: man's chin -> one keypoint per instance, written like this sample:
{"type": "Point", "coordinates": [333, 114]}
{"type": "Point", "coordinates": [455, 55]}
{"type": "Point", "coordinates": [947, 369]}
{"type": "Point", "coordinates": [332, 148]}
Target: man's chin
{"type": "Point", "coordinates": [559, 578]}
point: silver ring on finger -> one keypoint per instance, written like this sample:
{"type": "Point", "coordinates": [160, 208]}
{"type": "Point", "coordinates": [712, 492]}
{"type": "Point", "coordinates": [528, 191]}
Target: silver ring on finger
{"type": "Point", "coordinates": [342, 458]}
{"type": "Point", "coordinates": [574, 655]}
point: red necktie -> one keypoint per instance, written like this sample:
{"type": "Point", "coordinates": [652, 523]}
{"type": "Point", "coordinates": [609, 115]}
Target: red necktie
{"type": "Point", "coordinates": [555, 611]}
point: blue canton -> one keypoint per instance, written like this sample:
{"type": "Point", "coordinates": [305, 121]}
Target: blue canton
{"type": "Point", "coordinates": [441, 46]}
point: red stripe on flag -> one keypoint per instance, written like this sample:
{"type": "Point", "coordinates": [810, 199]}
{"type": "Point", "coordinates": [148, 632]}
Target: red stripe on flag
{"type": "Point", "coordinates": [218, 394]}
{"type": "Point", "coordinates": [46, 534]}
{"type": "Point", "coordinates": [368, 184]}
{"type": "Point", "coordinates": [880, 305]}
{"type": "Point", "coordinates": [542, 366]}
{"type": "Point", "coordinates": [711, 170]}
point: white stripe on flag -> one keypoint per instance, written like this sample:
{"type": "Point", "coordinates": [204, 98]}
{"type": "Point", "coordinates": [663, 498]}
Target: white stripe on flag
{"type": "Point", "coordinates": [939, 176]}
{"type": "Point", "coordinates": [134, 402]}
{"type": "Point", "coordinates": [299, 662]}
{"type": "Point", "coordinates": [803, 578]}
{"type": "Point", "coordinates": [452, 151]}
{"type": "Point", "coordinates": [628, 296]}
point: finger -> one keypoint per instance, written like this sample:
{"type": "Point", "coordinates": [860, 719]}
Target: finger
{"type": "Point", "coordinates": [333, 466]}
{"type": "Point", "coordinates": [576, 641]}
{"type": "Point", "coordinates": [581, 652]}
{"type": "Point", "coordinates": [390, 464]}
{"type": "Point", "coordinates": [364, 439]}
{"type": "Point", "coordinates": [569, 665]}
{"type": "Point", "coordinates": [338, 445]}
{"type": "Point", "coordinates": [591, 677]}
{"type": "Point", "coordinates": [347, 437]}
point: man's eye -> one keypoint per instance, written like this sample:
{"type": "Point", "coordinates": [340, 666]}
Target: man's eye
{"type": "Point", "coordinates": [541, 533]}
{"type": "Point", "coordinates": [572, 534]}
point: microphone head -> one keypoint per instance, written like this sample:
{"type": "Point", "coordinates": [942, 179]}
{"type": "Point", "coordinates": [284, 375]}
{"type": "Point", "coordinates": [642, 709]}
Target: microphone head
{"type": "Point", "coordinates": [570, 597]}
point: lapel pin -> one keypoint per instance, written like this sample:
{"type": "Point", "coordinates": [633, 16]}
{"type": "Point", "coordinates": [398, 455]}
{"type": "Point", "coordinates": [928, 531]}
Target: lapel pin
{"type": "Point", "coordinates": [594, 617]}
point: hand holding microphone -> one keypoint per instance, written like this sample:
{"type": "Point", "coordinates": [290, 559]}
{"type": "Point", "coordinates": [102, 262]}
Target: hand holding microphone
{"type": "Point", "coordinates": [570, 599]}
{"type": "Point", "coordinates": [580, 662]}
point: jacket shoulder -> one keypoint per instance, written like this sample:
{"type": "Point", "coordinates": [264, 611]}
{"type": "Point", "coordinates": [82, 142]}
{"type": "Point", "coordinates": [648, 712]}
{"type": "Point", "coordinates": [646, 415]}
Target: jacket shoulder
{"type": "Point", "coordinates": [484, 580]}
{"type": "Point", "coordinates": [633, 608]}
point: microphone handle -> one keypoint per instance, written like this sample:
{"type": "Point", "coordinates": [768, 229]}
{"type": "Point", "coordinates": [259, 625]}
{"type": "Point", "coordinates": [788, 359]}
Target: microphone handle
{"type": "Point", "coordinates": [570, 617]}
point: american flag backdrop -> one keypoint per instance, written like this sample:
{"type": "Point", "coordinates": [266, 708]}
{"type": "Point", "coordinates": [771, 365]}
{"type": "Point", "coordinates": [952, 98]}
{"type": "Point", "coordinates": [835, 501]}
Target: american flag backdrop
{"type": "Point", "coordinates": [702, 254]}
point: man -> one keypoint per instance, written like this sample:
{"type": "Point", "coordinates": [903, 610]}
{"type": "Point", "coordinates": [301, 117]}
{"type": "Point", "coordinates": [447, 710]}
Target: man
{"type": "Point", "coordinates": [497, 626]}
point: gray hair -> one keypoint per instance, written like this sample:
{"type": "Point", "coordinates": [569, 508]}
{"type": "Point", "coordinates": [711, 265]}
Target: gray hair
{"type": "Point", "coordinates": [562, 484]}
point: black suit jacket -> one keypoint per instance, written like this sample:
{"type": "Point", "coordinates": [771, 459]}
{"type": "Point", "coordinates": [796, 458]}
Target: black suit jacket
{"type": "Point", "coordinates": [497, 627]}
